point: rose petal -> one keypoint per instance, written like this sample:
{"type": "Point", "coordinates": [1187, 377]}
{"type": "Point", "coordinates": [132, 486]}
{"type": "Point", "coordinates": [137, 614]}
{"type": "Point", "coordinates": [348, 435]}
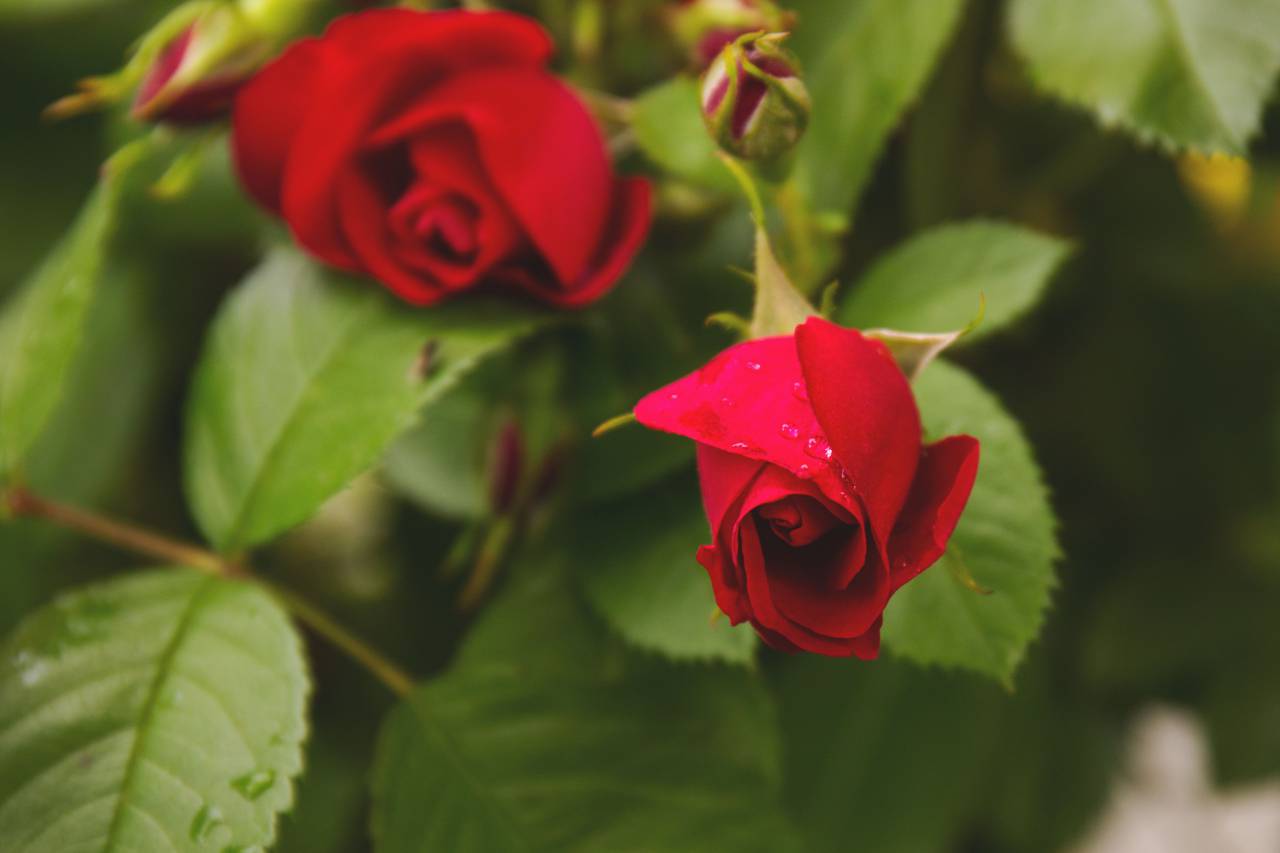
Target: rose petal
{"type": "Point", "coordinates": [942, 486]}
{"type": "Point", "coordinates": [751, 401]}
{"type": "Point", "coordinates": [865, 406]}
{"type": "Point", "coordinates": [266, 117]}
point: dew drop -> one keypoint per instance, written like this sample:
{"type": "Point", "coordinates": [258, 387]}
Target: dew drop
{"type": "Point", "coordinates": [675, 397]}
{"type": "Point", "coordinates": [790, 431]}
{"type": "Point", "coordinates": [754, 366]}
{"type": "Point", "coordinates": [207, 822]}
{"type": "Point", "coordinates": [727, 402]}
{"type": "Point", "coordinates": [799, 391]}
{"type": "Point", "coordinates": [804, 473]}
{"type": "Point", "coordinates": [739, 445]}
{"type": "Point", "coordinates": [254, 785]}
{"type": "Point", "coordinates": [816, 446]}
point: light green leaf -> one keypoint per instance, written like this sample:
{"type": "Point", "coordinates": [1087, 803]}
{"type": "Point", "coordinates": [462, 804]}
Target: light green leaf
{"type": "Point", "coordinates": [866, 61]}
{"type": "Point", "coordinates": [305, 380]}
{"type": "Point", "coordinates": [42, 325]}
{"type": "Point", "coordinates": [1005, 541]}
{"type": "Point", "coordinates": [635, 560]}
{"type": "Point", "coordinates": [668, 127]}
{"type": "Point", "coordinates": [546, 736]}
{"type": "Point", "coordinates": [159, 712]}
{"type": "Point", "coordinates": [1184, 73]}
{"type": "Point", "coordinates": [938, 280]}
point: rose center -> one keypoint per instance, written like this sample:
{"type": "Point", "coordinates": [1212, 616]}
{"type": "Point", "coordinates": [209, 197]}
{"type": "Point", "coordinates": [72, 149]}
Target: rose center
{"type": "Point", "coordinates": [444, 224]}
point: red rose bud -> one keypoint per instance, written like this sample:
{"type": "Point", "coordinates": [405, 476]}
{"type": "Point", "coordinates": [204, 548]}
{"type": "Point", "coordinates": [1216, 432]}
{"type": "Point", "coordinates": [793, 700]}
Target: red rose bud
{"type": "Point", "coordinates": [706, 27]}
{"type": "Point", "coordinates": [753, 102]}
{"type": "Point", "coordinates": [821, 497]}
{"type": "Point", "coordinates": [436, 153]}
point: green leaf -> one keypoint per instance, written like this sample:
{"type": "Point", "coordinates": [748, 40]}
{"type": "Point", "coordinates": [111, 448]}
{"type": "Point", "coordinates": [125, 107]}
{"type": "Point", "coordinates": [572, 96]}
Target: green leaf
{"type": "Point", "coordinates": [546, 736]}
{"type": "Point", "coordinates": [305, 380]}
{"type": "Point", "coordinates": [866, 61]}
{"type": "Point", "coordinates": [1005, 541]}
{"type": "Point", "coordinates": [158, 712]}
{"type": "Point", "coordinates": [668, 127]}
{"type": "Point", "coordinates": [635, 560]}
{"type": "Point", "coordinates": [41, 328]}
{"type": "Point", "coordinates": [1183, 73]}
{"type": "Point", "coordinates": [857, 737]}
{"type": "Point", "coordinates": [937, 281]}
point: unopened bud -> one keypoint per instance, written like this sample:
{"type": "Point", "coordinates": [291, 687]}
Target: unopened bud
{"type": "Point", "coordinates": [188, 67]}
{"type": "Point", "coordinates": [706, 27]}
{"type": "Point", "coordinates": [753, 100]}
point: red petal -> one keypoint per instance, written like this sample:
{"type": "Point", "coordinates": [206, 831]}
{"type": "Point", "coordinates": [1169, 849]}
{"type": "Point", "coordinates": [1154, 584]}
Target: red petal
{"type": "Point", "coordinates": [543, 152]}
{"type": "Point", "coordinates": [624, 236]}
{"type": "Point", "coordinates": [268, 112]}
{"type": "Point", "coordinates": [751, 401]}
{"type": "Point", "coordinates": [943, 482]}
{"type": "Point", "coordinates": [863, 402]}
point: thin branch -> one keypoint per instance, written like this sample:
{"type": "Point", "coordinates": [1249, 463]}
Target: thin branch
{"type": "Point", "coordinates": [23, 503]}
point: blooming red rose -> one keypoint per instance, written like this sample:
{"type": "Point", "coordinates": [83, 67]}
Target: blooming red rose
{"type": "Point", "coordinates": [435, 152]}
{"type": "Point", "coordinates": [821, 499]}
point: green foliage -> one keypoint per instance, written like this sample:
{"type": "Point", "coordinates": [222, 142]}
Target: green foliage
{"type": "Point", "coordinates": [635, 560]}
{"type": "Point", "coordinates": [41, 328]}
{"type": "Point", "coordinates": [866, 61]}
{"type": "Point", "coordinates": [884, 754]}
{"type": "Point", "coordinates": [1183, 73]}
{"type": "Point", "coordinates": [1005, 541]}
{"type": "Point", "coordinates": [936, 281]}
{"type": "Point", "coordinates": [305, 380]}
{"type": "Point", "coordinates": [667, 123]}
{"type": "Point", "coordinates": [162, 711]}
{"type": "Point", "coordinates": [567, 743]}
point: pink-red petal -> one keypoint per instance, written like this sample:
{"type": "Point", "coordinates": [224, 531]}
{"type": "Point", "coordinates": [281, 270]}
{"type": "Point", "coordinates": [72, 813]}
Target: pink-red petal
{"type": "Point", "coordinates": [942, 486]}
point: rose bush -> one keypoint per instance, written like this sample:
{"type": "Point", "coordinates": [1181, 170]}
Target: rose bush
{"type": "Point", "coordinates": [436, 153]}
{"type": "Point", "coordinates": [821, 499]}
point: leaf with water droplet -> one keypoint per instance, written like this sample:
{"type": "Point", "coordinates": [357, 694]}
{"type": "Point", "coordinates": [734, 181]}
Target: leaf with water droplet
{"type": "Point", "coordinates": [199, 677]}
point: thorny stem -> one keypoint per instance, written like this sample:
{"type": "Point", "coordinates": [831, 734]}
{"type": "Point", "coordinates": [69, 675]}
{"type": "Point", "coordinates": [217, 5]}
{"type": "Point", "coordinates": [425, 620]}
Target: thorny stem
{"type": "Point", "coordinates": [22, 502]}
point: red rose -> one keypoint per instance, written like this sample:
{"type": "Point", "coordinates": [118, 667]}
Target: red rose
{"type": "Point", "coordinates": [821, 499]}
{"type": "Point", "coordinates": [435, 152]}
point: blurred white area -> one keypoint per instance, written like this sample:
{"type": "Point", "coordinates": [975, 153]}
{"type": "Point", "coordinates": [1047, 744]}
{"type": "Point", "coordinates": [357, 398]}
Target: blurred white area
{"type": "Point", "coordinates": [1165, 802]}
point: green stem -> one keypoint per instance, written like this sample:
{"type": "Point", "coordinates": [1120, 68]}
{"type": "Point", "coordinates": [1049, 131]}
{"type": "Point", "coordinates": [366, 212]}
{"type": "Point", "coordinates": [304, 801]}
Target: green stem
{"type": "Point", "coordinates": [23, 503]}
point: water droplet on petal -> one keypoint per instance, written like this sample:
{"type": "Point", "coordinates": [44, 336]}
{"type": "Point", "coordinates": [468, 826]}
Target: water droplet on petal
{"type": "Point", "coordinates": [804, 473]}
{"type": "Point", "coordinates": [675, 397]}
{"type": "Point", "coordinates": [790, 431]}
{"type": "Point", "coordinates": [816, 446]}
{"type": "Point", "coordinates": [754, 366]}
{"type": "Point", "coordinates": [739, 445]}
{"type": "Point", "coordinates": [727, 402]}
{"type": "Point", "coordinates": [799, 390]}
{"type": "Point", "coordinates": [254, 785]}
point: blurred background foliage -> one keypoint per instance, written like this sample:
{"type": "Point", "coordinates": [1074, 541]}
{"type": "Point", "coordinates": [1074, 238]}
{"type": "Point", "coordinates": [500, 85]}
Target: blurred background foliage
{"type": "Point", "coordinates": [1148, 382]}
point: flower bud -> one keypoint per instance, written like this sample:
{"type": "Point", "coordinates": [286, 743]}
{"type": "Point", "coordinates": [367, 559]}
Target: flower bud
{"type": "Point", "coordinates": [706, 27]}
{"type": "Point", "coordinates": [188, 67]}
{"type": "Point", "coordinates": [753, 102]}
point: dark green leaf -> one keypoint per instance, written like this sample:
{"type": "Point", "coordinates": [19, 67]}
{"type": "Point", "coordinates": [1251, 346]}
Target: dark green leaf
{"type": "Point", "coordinates": [546, 736]}
{"type": "Point", "coordinates": [159, 712]}
{"type": "Point", "coordinates": [937, 281]}
{"type": "Point", "coordinates": [41, 327]}
{"type": "Point", "coordinates": [866, 61]}
{"type": "Point", "coordinates": [1184, 73]}
{"type": "Point", "coordinates": [1005, 541]}
{"type": "Point", "coordinates": [635, 559]}
{"type": "Point", "coordinates": [305, 380]}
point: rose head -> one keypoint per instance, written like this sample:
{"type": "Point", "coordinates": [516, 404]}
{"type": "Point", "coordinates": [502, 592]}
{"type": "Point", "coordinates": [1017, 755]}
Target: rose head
{"type": "Point", "coordinates": [435, 152]}
{"type": "Point", "coordinates": [821, 499]}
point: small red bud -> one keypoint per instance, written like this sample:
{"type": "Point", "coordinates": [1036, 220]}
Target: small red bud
{"type": "Point", "coordinates": [753, 100]}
